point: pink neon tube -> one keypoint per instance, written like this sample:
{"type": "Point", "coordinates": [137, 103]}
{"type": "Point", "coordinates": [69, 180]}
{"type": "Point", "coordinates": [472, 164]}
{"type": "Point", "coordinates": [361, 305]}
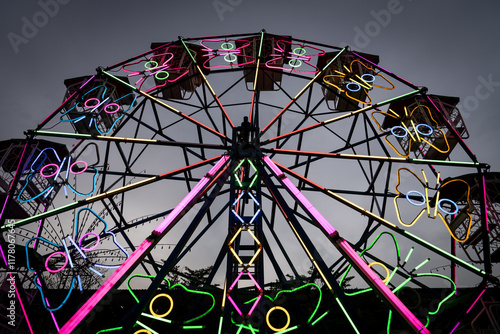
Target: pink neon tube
{"type": "Point", "coordinates": [361, 265]}
{"type": "Point", "coordinates": [475, 301]}
{"type": "Point", "coordinates": [348, 251]}
{"type": "Point", "coordinates": [300, 197]}
{"type": "Point", "coordinates": [22, 306]}
{"type": "Point", "coordinates": [130, 263]}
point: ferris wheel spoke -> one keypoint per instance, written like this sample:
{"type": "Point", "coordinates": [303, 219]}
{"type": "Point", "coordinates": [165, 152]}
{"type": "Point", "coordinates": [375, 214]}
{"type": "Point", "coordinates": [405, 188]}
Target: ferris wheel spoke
{"type": "Point", "coordinates": [299, 94]}
{"type": "Point", "coordinates": [149, 243]}
{"type": "Point", "coordinates": [167, 106]}
{"type": "Point", "coordinates": [391, 226]}
{"type": "Point", "coordinates": [205, 80]}
{"type": "Point", "coordinates": [110, 193]}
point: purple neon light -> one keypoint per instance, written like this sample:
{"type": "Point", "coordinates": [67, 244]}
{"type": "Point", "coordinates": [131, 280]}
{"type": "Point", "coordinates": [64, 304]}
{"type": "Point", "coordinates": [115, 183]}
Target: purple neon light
{"type": "Point", "coordinates": [3, 256]}
{"type": "Point", "coordinates": [458, 323]}
{"type": "Point", "coordinates": [255, 305]}
{"type": "Point", "coordinates": [58, 270]}
{"type": "Point", "coordinates": [477, 299]}
{"type": "Point", "coordinates": [382, 288]}
{"type": "Point", "coordinates": [235, 281]}
{"type": "Point", "coordinates": [22, 306]}
{"type": "Point", "coordinates": [80, 172]}
{"type": "Point", "coordinates": [126, 266]}
{"type": "Point", "coordinates": [48, 305]}
{"type": "Point", "coordinates": [49, 165]}
{"type": "Point", "coordinates": [83, 237]}
{"type": "Point", "coordinates": [69, 327]}
{"type": "Point", "coordinates": [234, 304]}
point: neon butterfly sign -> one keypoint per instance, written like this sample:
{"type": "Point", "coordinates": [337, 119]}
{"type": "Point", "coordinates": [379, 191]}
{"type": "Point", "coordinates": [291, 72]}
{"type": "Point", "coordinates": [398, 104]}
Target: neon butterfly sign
{"type": "Point", "coordinates": [228, 50]}
{"type": "Point", "coordinates": [301, 54]}
{"type": "Point", "coordinates": [73, 257]}
{"type": "Point", "coordinates": [94, 106]}
{"type": "Point", "coordinates": [414, 128]}
{"type": "Point", "coordinates": [55, 175]}
{"type": "Point", "coordinates": [350, 82]}
{"type": "Point", "coordinates": [158, 66]}
{"type": "Point", "coordinates": [441, 206]}
{"type": "Point", "coordinates": [411, 275]}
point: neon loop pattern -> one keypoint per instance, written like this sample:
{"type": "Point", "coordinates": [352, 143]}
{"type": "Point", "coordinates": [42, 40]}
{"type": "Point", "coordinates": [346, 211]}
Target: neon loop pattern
{"type": "Point", "coordinates": [53, 271]}
{"type": "Point", "coordinates": [273, 309]}
{"type": "Point", "coordinates": [72, 257]}
{"type": "Point", "coordinates": [438, 205]}
{"type": "Point", "coordinates": [299, 58]}
{"type": "Point", "coordinates": [58, 172]}
{"type": "Point", "coordinates": [95, 101]}
{"type": "Point", "coordinates": [163, 315]}
{"type": "Point", "coordinates": [227, 49]}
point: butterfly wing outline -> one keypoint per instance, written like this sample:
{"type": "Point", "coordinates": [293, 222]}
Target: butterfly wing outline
{"type": "Point", "coordinates": [412, 197]}
{"type": "Point", "coordinates": [95, 105]}
{"type": "Point", "coordinates": [159, 66]}
{"type": "Point", "coordinates": [49, 172]}
{"type": "Point", "coordinates": [411, 130]}
{"type": "Point", "coordinates": [348, 81]}
{"type": "Point", "coordinates": [450, 199]}
{"type": "Point", "coordinates": [77, 258]}
{"type": "Point", "coordinates": [226, 53]}
{"type": "Point", "coordinates": [294, 59]}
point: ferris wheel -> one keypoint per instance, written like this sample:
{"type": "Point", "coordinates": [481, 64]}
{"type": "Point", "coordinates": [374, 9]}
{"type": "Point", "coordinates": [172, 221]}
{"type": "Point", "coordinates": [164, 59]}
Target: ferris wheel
{"type": "Point", "coordinates": [316, 190]}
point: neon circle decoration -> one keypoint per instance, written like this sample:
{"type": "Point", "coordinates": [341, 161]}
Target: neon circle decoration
{"type": "Point", "coordinates": [278, 308]}
{"type": "Point", "coordinates": [50, 257]}
{"type": "Point", "coordinates": [163, 315]}
{"type": "Point", "coordinates": [228, 173]}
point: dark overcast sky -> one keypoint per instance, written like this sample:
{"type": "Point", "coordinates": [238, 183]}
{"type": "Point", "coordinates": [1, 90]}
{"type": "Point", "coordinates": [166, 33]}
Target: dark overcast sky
{"type": "Point", "coordinates": [449, 46]}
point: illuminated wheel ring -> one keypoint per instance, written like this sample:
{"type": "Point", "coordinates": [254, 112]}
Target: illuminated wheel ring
{"type": "Point", "coordinates": [271, 310]}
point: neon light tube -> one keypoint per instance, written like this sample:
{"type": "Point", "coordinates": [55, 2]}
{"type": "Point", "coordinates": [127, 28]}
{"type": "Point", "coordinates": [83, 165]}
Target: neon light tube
{"type": "Point", "coordinates": [22, 305]}
{"type": "Point", "coordinates": [454, 328]}
{"type": "Point", "coordinates": [234, 304]}
{"type": "Point", "coordinates": [477, 299]}
{"type": "Point", "coordinates": [382, 288]}
{"type": "Point", "coordinates": [300, 197]}
{"type": "Point", "coordinates": [128, 265]}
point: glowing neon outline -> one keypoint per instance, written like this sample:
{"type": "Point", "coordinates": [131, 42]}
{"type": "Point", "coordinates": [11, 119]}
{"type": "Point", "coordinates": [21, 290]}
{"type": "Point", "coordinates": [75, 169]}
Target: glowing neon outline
{"type": "Point", "coordinates": [46, 191]}
{"type": "Point", "coordinates": [292, 55]}
{"type": "Point", "coordinates": [360, 82]}
{"type": "Point", "coordinates": [86, 113]}
{"type": "Point", "coordinates": [409, 116]}
{"type": "Point", "coordinates": [69, 260]}
{"type": "Point", "coordinates": [170, 287]}
{"type": "Point", "coordinates": [427, 209]}
{"type": "Point", "coordinates": [213, 53]}
{"type": "Point", "coordinates": [287, 318]}
{"type": "Point", "coordinates": [153, 71]}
